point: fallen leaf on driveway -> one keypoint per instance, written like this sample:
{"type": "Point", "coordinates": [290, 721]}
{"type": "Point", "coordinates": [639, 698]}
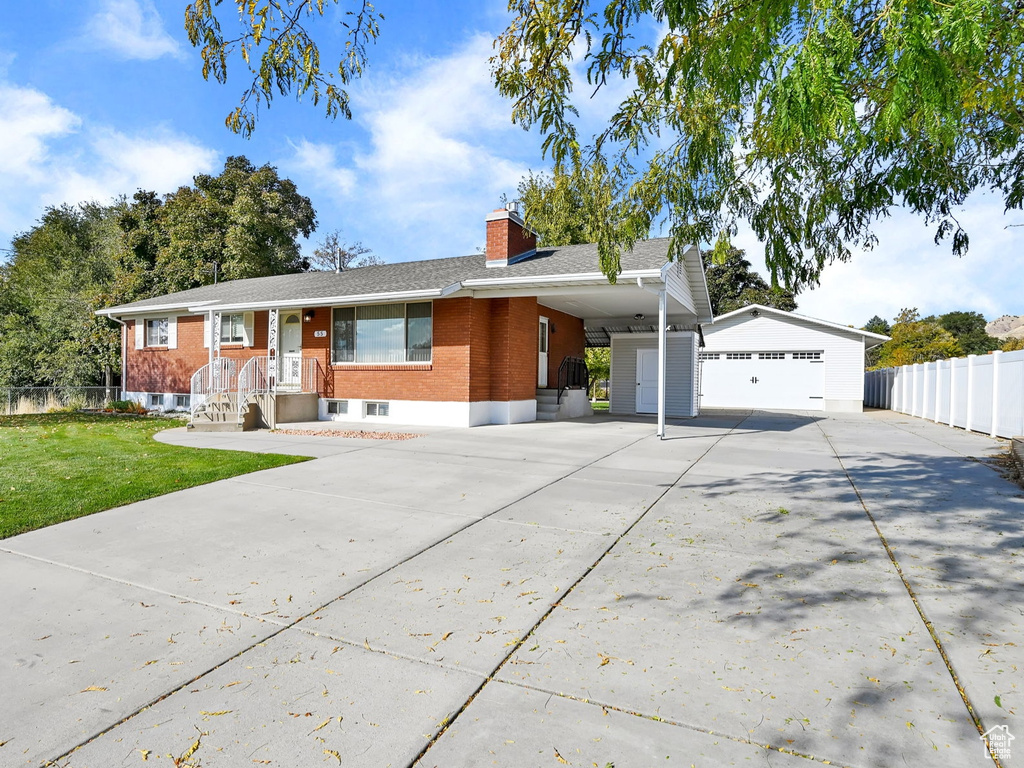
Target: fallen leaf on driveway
{"type": "Point", "coordinates": [559, 758]}
{"type": "Point", "coordinates": [324, 724]}
{"type": "Point", "coordinates": [93, 688]}
{"type": "Point", "coordinates": [216, 714]}
{"type": "Point", "coordinates": [333, 753]}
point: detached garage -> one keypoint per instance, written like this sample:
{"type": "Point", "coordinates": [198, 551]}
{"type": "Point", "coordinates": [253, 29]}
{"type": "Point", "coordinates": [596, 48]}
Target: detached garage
{"type": "Point", "coordinates": [761, 357]}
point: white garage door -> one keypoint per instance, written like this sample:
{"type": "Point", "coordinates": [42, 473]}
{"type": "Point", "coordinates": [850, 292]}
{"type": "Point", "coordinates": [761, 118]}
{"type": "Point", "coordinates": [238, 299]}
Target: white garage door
{"type": "Point", "coordinates": [779, 380]}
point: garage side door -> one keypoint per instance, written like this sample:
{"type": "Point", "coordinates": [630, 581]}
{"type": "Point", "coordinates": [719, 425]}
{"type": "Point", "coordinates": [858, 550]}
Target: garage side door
{"type": "Point", "coordinates": [772, 380]}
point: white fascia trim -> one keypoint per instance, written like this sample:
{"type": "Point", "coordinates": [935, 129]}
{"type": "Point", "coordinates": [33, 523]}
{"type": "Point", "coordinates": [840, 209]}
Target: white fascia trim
{"type": "Point", "coordinates": [599, 277]}
{"type": "Point", "coordinates": [784, 313]}
{"type": "Point", "coordinates": [648, 334]}
{"type": "Point", "coordinates": [328, 301]}
{"type": "Point", "coordinates": [149, 310]}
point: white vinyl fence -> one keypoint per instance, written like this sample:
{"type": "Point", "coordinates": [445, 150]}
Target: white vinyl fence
{"type": "Point", "coordinates": [980, 393]}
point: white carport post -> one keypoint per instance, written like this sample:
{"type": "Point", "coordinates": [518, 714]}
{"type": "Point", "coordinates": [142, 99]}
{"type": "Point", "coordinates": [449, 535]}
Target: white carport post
{"type": "Point", "coordinates": [662, 346]}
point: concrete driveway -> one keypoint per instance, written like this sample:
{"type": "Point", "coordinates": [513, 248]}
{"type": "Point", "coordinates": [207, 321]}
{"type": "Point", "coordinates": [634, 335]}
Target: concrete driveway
{"type": "Point", "coordinates": [759, 589]}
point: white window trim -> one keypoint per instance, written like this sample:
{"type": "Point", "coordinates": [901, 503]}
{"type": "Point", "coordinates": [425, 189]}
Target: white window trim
{"type": "Point", "coordinates": [403, 363]}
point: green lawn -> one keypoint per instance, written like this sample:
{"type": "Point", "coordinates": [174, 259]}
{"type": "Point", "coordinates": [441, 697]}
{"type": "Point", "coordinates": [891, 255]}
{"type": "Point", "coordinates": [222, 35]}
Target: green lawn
{"type": "Point", "coordinates": [600, 405]}
{"type": "Point", "coordinates": [60, 466]}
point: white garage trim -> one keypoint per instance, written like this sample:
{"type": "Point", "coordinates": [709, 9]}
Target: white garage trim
{"type": "Point", "coordinates": [758, 330]}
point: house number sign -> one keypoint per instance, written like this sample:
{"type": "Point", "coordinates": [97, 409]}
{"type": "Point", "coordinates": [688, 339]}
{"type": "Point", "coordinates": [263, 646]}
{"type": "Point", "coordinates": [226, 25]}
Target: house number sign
{"type": "Point", "coordinates": [319, 334]}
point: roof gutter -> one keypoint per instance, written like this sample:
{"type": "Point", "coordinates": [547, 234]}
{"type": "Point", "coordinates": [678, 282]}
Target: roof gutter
{"type": "Point", "coordinates": [486, 282]}
{"type": "Point", "coordinates": [325, 301]}
{"type": "Point", "coordinates": [128, 310]}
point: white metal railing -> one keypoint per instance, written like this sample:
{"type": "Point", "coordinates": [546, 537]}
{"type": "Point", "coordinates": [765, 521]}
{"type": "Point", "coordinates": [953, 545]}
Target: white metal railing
{"type": "Point", "coordinates": [979, 393]}
{"type": "Point", "coordinates": [252, 381]}
{"type": "Point", "coordinates": [218, 377]}
{"type": "Point", "coordinates": [313, 377]}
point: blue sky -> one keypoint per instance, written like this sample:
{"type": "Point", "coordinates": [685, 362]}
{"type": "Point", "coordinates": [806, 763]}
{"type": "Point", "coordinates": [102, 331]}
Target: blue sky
{"type": "Point", "coordinates": [102, 97]}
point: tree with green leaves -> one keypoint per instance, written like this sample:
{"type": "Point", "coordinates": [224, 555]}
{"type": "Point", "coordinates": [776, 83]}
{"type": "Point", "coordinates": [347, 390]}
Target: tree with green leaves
{"type": "Point", "coordinates": [916, 341]}
{"type": "Point", "coordinates": [273, 41]}
{"type": "Point", "coordinates": [48, 332]}
{"type": "Point", "coordinates": [1012, 344]}
{"type": "Point", "coordinates": [599, 367]}
{"type": "Point", "coordinates": [244, 222]}
{"type": "Point", "coordinates": [877, 325]}
{"type": "Point", "coordinates": [968, 328]}
{"type": "Point", "coordinates": [807, 121]}
{"type": "Point", "coordinates": [572, 207]}
{"type": "Point", "coordinates": [733, 284]}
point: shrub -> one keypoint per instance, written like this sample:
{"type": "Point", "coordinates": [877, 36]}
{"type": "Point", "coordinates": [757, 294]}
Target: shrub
{"type": "Point", "coordinates": [126, 406]}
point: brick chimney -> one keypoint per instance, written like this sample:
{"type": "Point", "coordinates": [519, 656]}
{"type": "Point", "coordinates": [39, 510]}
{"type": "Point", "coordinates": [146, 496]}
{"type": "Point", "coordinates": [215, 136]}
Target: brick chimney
{"type": "Point", "coordinates": [508, 238]}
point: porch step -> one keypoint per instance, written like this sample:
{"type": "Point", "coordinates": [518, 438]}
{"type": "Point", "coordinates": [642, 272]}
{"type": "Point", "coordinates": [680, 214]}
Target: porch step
{"type": "Point", "coordinates": [547, 404]}
{"type": "Point", "coordinates": [550, 409]}
{"type": "Point", "coordinates": [215, 426]}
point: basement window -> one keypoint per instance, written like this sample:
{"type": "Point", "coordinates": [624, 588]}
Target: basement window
{"type": "Point", "coordinates": [377, 409]}
{"type": "Point", "coordinates": [337, 407]}
{"type": "Point", "coordinates": [181, 401]}
{"type": "Point", "coordinates": [156, 401]}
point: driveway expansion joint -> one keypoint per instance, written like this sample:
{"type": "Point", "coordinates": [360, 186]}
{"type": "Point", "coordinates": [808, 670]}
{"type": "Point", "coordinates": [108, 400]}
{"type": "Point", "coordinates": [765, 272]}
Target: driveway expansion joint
{"type": "Point", "coordinates": [975, 717]}
{"type": "Point", "coordinates": [569, 590]}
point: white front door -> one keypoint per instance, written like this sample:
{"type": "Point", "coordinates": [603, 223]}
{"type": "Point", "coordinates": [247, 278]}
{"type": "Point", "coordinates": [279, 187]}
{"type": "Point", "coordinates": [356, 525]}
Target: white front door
{"type": "Point", "coordinates": [290, 375]}
{"type": "Point", "coordinates": [542, 354]}
{"type": "Point", "coordinates": [647, 381]}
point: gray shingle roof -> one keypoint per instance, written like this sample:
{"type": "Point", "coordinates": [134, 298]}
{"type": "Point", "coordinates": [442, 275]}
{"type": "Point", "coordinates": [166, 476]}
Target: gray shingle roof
{"type": "Point", "coordinates": [434, 274]}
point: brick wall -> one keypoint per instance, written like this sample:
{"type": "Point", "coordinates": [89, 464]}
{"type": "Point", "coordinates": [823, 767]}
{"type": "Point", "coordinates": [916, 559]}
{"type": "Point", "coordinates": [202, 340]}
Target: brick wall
{"type": "Point", "coordinates": [565, 339]}
{"type": "Point", "coordinates": [484, 349]}
{"type": "Point", "coordinates": [158, 369]}
{"type": "Point", "coordinates": [446, 378]}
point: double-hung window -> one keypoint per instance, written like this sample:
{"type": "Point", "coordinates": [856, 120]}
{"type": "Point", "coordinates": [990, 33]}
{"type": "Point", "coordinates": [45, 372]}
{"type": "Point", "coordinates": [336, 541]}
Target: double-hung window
{"type": "Point", "coordinates": [156, 332]}
{"type": "Point", "coordinates": [383, 333]}
{"type": "Point", "coordinates": [232, 329]}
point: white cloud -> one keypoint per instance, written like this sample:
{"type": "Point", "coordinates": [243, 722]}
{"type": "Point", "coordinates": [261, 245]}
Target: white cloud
{"type": "Point", "coordinates": [120, 164]}
{"type": "Point", "coordinates": [28, 120]}
{"type": "Point", "coordinates": [132, 29]}
{"type": "Point", "coordinates": [440, 127]}
{"type": "Point", "coordinates": [907, 269]}
{"type": "Point", "coordinates": [439, 151]}
{"type": "Point", "coordinates": [319, 165]}
{"type": "Point", "coordinates": [52, 156]}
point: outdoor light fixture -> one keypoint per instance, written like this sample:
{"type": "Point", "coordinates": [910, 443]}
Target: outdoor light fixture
{"type": "Point", "coordinates": [755, 313]}
{"type": "Point", "coordinates": [638, 316]}
{"type": "Point", "coordinates": [308, 317]}
{"type": "Point", "coordinates": [552, 327]}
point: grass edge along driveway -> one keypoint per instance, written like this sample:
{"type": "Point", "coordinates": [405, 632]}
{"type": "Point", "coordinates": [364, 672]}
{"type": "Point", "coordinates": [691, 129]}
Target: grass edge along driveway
{"type": "Point", "coordinates": [60, 466]}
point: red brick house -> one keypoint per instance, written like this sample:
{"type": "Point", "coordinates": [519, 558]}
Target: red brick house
{"type": "Point", "coordinates": [491, 338]}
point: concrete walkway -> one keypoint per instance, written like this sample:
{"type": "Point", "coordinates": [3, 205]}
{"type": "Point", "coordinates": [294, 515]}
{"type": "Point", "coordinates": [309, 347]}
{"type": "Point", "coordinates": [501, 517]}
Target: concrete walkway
{"type": "Point", "coordinates": [765, 589]}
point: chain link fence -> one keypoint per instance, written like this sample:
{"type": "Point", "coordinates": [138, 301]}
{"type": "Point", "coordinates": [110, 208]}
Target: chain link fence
{"type": "Point", "coordinates": [26, 400]}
